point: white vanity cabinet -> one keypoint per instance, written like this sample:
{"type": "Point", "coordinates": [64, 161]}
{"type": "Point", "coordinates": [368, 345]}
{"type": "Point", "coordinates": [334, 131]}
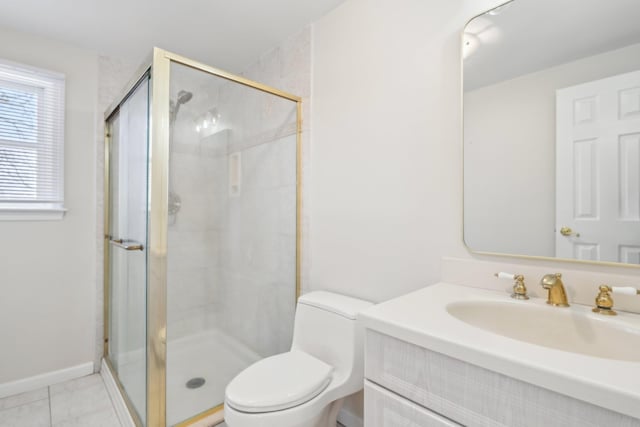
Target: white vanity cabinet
{"type": "Point", "coordinates": [408, 385]}
{"type": "Point", "coordinates": [424, 366]}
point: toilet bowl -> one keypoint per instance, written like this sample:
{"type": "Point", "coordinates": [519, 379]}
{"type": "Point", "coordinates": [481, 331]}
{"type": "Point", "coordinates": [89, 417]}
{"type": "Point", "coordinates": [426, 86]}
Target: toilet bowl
{"type": "Point", "coordinates": [305, 386]}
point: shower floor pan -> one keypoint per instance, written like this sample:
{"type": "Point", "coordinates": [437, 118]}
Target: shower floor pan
{"type": "Point", "coordinates": [211, 355]}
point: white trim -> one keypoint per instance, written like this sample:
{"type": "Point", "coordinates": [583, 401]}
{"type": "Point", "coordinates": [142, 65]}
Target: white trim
{"type": "Point", "coordinates": [44, 380]}
{"type": "Point", "coordinates": [116, 398]}
{"type": "Point", "coordinates": [38, 75]}
{"type": "Point", "coordinates": [349, 419]}
{"type": "Point", "coordinates": [27, 214]}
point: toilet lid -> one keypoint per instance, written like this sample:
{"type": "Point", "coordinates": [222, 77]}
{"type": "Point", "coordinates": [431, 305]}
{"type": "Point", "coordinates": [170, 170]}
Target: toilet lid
{"type": "Point", "coordinates": [278, 382]}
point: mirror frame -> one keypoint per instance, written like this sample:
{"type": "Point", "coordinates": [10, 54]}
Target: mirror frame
{"type": "Point", "coordinates": [499, 254]}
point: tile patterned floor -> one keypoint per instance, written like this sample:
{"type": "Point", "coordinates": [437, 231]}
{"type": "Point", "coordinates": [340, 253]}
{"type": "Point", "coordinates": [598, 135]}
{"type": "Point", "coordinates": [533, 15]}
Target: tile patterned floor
{"type": "Point", "coordinates": [82, 402]}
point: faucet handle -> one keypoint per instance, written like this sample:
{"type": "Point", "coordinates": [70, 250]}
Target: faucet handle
{"type": "Point", "coordinates": [519, 288]}
{"type": "Point", "coordinates": [604, 301]}
{"type": "Point", "coordinates": [625, 290]}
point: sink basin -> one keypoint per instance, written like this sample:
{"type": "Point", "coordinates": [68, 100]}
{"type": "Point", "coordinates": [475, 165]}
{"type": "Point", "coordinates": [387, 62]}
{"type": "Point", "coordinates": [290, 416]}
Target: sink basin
{"type": "Point", "coordinates": [565, 329]}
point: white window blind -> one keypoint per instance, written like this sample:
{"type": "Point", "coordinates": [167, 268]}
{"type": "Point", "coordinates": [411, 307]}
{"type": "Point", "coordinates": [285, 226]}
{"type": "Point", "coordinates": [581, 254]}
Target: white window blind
{"type": "Point", "coordinates": [31, 139]}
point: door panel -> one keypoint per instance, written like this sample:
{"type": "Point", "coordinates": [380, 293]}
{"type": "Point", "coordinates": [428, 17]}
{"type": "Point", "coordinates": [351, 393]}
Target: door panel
{"type": "Point", "coordinates": [128, 130]}
{"type": "Point", "coordinates": [598, 170]}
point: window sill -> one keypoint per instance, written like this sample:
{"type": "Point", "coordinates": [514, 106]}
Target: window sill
{"type": "Point", "coordinates": [32, 214]}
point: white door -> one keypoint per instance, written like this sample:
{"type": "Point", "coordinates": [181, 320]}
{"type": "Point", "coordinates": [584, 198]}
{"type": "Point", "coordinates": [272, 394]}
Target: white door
{"type": "Point", "coordinates": [598, 170]}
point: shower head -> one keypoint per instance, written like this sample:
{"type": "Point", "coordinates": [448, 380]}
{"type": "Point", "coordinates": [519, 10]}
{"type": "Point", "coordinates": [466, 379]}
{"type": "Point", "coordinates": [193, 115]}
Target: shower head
{"type": "Point", "coordinates": [174, 106]}
{"type": "Point", "coordinates": [184, 97]}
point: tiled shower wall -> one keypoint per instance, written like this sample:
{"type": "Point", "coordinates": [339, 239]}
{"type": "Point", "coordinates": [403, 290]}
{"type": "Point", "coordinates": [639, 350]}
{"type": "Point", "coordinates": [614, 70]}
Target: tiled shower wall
{"type": "Point", "coordinates": [198, 177]}
{"type": "Point", "coordinates": [258, 260]}
{"type": "Point", "coordinates": [221, 277]}
{"type": "Point", "coordinates": [263, 317]}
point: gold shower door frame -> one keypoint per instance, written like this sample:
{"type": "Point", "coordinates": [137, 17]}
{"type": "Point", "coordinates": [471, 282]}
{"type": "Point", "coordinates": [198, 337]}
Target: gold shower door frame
{"type": "Point", "coordinates": [158, 181]}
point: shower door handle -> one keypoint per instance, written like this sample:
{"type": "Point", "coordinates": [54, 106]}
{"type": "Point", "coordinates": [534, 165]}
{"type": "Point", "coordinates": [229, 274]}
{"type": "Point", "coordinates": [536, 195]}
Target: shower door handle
{"type": "Point", "coordinates": [127, 245]}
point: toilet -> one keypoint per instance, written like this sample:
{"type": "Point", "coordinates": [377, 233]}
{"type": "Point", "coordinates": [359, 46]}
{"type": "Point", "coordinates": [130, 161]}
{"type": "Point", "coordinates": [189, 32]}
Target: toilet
{"type": "Point", "coordinates": [304, 387]}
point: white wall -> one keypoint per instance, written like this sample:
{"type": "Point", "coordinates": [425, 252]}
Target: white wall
{"type": "Point", "coordinates": [386, 175]}
{"type": "Point", "coordinates": [47, 281]}
{"type": "Point", "coordinates": [510, 133]}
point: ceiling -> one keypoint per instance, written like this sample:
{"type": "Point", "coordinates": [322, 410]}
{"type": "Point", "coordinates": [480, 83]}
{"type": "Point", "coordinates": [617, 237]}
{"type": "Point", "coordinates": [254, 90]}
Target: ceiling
{"type": "Point", "coordinates": [228, 34]}
{"type": "Point", "coordinates": [531, 35]}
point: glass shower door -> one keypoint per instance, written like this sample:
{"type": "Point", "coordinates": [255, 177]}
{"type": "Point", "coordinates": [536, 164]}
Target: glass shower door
{"type": "Point", "coordinates": [231, 235]}
{"type": "Point", "coordinates": [127, 245]}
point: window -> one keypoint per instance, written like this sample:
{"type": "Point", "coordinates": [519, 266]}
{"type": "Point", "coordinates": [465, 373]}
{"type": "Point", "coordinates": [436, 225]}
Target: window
{"type": "Point", "coordinates": [31, 142]}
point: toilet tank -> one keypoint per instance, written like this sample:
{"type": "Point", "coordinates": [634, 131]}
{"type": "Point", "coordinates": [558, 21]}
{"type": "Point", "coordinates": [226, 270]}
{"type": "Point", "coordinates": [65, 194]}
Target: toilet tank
{"type": "Point", "coordinates": [326, 327]}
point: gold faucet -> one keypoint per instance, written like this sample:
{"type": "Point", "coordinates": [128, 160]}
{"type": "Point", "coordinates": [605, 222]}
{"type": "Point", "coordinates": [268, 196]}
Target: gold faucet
{"type": "Point", "coordinates": [557, 295]}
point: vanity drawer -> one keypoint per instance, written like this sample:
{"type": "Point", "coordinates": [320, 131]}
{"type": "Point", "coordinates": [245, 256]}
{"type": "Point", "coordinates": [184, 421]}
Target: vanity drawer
{"type": "Point", "coordinates": [383, 408]}
{"type": "Point", "coordinates": [474, 396]}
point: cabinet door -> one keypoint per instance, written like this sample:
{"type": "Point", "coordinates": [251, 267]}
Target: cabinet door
{"type": "Point", "coordinates": [383, 408]}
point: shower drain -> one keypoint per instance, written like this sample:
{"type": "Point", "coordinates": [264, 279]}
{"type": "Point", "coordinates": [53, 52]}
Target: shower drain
{"type": "Point", "coordinates": [195, 382]}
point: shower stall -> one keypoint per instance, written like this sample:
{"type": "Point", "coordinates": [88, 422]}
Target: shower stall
{"type": "Point", "coordinates": [202, 216]}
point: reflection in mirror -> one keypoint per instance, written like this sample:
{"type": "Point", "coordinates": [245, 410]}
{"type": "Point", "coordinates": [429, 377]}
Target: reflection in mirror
{"type": "Point", "coordinates": [552, 130]}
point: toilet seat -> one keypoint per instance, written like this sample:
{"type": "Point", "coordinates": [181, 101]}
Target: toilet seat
{"type": "Point", "coordinates": [278, 382]}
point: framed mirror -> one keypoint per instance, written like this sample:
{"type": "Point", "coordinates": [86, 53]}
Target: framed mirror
{"type": "Point", "coordinates": [552, 130]}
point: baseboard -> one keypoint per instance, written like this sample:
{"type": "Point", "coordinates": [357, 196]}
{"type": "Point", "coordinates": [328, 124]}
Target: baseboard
{"type": "Point", "coordinates": [116, 398]}
{"type": "Point", "coordinates": [44, 380]}
{"type": "Point", "coordinates": [348, 419]}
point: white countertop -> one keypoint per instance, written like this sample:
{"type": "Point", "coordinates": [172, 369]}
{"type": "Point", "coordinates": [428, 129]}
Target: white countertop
{"type": "Point", "coordinates": [421, 318]}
